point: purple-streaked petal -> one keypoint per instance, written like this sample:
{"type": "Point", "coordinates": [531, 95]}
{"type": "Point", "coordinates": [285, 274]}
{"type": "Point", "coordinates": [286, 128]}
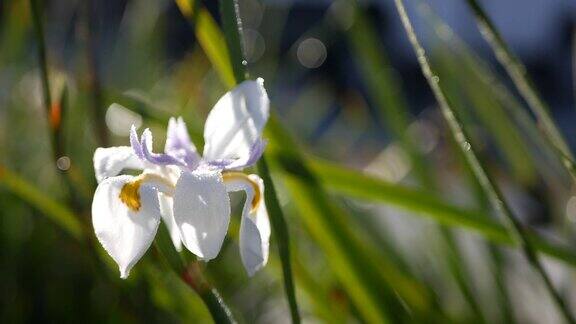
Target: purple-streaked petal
{"type": "Point", "coordinates": [178, 143]}
{"type": "Point", "coordinates": [156, 158]}
{"type": "Point", "coordinates": [135, 143]}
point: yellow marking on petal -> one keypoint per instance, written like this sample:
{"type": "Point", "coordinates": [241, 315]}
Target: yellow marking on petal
{"type": "Point", "coordinates": [130, 195]}
{"type": "Point", "coordinates": [231, 176]}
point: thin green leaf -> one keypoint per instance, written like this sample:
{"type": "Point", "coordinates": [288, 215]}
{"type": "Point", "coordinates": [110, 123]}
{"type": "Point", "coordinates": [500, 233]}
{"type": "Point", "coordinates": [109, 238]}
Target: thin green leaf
{"type": "Point", "coordinates": [354, 261]}
{"type": "Point", "coordinates": [55, 211]}
{"type": "Point", "coordinates": [517, 72]}
{"type": "Point", "coordinates": [232, 29]}
{"type": "Point", "coordinates": [210, 38]}
{"type": "Point", "coordinates": [387, 94]}
{"type": "Point", "coordinates": [487, 183]}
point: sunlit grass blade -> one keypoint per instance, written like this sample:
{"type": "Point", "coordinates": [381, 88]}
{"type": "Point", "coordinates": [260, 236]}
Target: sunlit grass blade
{"type": "Point", "coordinates": [210, 38]}
{"type": "Point", "coordinates": [489, 112]}
{"type": "Point", "coordinates": [492, 192]}
{"type": "Point", "coordinates": [232, 28]}
{"type": "Point", "coordinates": [386, 92]}
{"type": "Point", "coordinates": [487, 80]}
{"type": "Point", "coordinates": [517, 72]}
{"type": "Point", "coordinates": [354, 184]}
{"type": "Point", "coordinates": [352, 259]}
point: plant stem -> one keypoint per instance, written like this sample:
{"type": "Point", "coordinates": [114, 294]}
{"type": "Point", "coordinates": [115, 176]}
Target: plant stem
{"type": "Point", "coordinates": [517, 72]}
{"type": "Point", "coordinates": [232, 26]}
{"type": "Point", "coordinates": [487, 184]}
{"type": "Point", "coordinates": [93, 75]}
{"type": "Point", "coordinates": [191, 275]}
{"type": "Point", "coordinates": [42, 62]}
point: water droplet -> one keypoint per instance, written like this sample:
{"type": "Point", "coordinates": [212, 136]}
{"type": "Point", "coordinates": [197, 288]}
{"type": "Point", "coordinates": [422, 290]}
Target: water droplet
{"type": "Point", "coordinates": [63, 163]}
{"type": "Point", "coordinates": [466, 146]}
{"type": "Point", "coordinates": [311, 53]}
{"type": "Point", "coordinates": [436, 79]}
{"type": "Point", "coordinates": [244, 62]}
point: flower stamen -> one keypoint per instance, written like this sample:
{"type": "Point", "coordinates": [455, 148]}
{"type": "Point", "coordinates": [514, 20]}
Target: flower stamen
{"type": "Point", "coordinates": [130, 195]}
{"type": "Point", "coordinates": [231, 176]}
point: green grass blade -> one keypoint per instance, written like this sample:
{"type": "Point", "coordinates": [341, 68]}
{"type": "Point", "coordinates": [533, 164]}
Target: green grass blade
{"type": "Point", "coordinates": [517, 72]}
{"type": "Point", "coordinates": [232, 29]}
{"type": "Point", "coordinates": [387, 94]}
{"type": "Point", "coordinates": [55, 211]}
{"type": "Point", "coordinates": [463, 140]}
{"type": "Point", "coordinates": [542, 155]}
{"type": "Point", "coordinates": [352, 258]}
{"type": "Point", "coordinates": [210, 38]}
{"type": "Point", "coordinates": [354, 184]}
{"type": "Point", "coordinates": [384, 89]}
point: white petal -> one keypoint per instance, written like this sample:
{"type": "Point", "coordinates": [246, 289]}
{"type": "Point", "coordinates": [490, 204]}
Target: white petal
{"type": "Point", "coordinates": [124, 233]}
{"type": "Point", "coordinates": [254, 228]}
{"type": "Point", "coordinates": [110, 161]}
{"type": "Point", "coordinates": [236, 121]}
{"type": "Point", "coordinates": [166, 210]}
{"type": "Point", "coordinates": [202, 212]}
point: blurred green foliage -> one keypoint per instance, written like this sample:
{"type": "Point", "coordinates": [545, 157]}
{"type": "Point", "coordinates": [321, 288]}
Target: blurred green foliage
{"type": "Point", "coordinates": [400, 233]}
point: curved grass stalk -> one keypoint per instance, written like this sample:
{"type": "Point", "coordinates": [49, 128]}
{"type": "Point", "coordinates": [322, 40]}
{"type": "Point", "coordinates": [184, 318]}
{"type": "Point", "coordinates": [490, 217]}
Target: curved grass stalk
{"type": "Point", "coordinates": [492, 192]}
{"type": "Point", "coordinates": [232, 26]}
{"type": "Point", "coordinates": [389, 98]}
{"type": "Point", "coordinates": [354, 184]}
{"type": "Point", "coordinates": [517, 72]}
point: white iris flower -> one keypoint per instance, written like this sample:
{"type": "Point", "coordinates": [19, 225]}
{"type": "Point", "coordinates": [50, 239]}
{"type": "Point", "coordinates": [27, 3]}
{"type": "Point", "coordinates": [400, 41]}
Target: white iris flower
{"type": "Point", "coordinates": [187, 191]}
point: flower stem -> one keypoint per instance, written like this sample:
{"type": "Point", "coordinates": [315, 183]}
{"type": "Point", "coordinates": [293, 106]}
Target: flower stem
{"type": "Point", "coordinates": [93, 74]}
{"type": "Point", "coordinates": [191, 275]}
{"type": "Point", "coordinates": [42, 62]}
{"type": "Point", "coordinates": [232, 27]}
{"type": "Point", "coordinates": [492, 192]}
{"type": "Point", "coordinates": [517, 72]}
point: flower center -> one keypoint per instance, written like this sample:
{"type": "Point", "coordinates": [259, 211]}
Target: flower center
{"type": "Point", "coordinates": [130, 196]}
{"type": "Point", "coordinates": [239, 176]}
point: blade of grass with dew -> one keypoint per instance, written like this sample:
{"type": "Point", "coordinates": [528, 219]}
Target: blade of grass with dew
{"type": "Point", "coordinates": [232, 28]}
{"type": "Point", "coordinates": [517, 72]}
{"type": "Point", "coordinates": [492, 192]}
{"type": "Point", "coordinates": [542, 155]}
{"type": "Point", "coordinates": [494, 253]}
{"type": "Point", "coordinates": [387, 94]}
{"type": "Point", "coordinates": [490, 114]}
